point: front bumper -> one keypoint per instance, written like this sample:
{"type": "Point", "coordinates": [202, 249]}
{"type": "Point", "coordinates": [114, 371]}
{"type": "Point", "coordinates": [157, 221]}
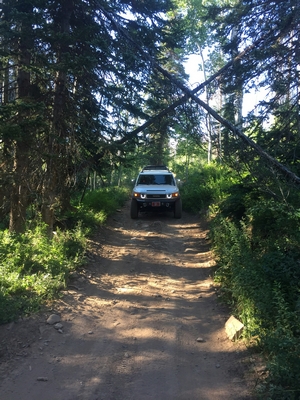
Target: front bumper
{"type": "Point", "coordinates": [156, 204]}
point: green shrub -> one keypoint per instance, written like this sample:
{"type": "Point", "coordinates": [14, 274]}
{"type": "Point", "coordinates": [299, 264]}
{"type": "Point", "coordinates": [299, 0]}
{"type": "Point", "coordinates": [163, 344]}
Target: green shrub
{"type": "Point", "coordinates": [95, 207]}
{"type": "Point", "coordinates": [34, 268]}
{"type": "Point", "coordinates": [237, 272]}
{"type": "Point", "coordinates": [99, 204]}
{"type": "Point", "coordinates": [282, 345]}
{"type": "Point", "coordinates": [204, 187]}
{"type": "Point", "coordinates": [258, 270]}
{"type": "Point", "coordinates": [106, 199]}
{"type": "Point", "coordinates": [237, 198]}
{"type": "Point", "coordinates": [275, 225]}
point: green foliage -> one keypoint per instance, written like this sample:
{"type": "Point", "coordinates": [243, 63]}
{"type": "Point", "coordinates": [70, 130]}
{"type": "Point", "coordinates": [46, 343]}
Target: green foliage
{"type": "Point", "coordinates": [236, 200]}
{"type": "Point", "coordinates": [256, 242]}
{"type": "Point", "coordinates": [65, 131]}
{"type": "Point", "coordinates": [281, 345]}
{"type": "Point", "coordinates": [240, 282]}
{"type": "Point", "coordinates": [278, 224]}
{"type": "Point", "coordinates": [204, 187]}
{"type": "Point", "coordinates": [99, 204]}
{"type": "Point", "coordinates": [94, 208]}
{"type": "Point", "coordinates": [34, 268]}
{"type": "Point", "coordinates": [195, 196]}
{"type": "Point", "coordinates": [105, 199]}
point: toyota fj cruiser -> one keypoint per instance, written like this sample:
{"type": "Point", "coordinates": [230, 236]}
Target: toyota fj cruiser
{"type": "Point", "coordinates": [155, 190]}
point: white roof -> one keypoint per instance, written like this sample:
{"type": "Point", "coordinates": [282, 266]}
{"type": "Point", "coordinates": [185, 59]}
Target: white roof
{"type": "Point", "coordinates": [156, 171]}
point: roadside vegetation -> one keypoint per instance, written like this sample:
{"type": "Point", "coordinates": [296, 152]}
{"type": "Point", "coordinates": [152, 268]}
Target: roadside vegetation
{"type": "Point", "coordinates": [88, 96]}
{"type": "Point", "coordinates": [255, 235]}
{"type": "Point", "coordinates": [35, 267]}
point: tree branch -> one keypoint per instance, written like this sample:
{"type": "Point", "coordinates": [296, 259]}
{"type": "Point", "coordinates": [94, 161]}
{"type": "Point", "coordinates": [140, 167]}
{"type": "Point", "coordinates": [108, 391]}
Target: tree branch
{"type": "Point", "coordinates": [191, 94]}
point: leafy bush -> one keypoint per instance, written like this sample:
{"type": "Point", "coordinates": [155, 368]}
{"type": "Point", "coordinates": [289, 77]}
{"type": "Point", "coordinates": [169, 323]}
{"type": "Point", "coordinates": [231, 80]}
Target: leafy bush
{"type": "Point", "coordinates": [240, 281]}
{"type": "Point", "coordinates": [237, 198]}
{"type": "Point", "coordinates": [105, 199]}
{"type": "Point", "coordinates": [94, 209]}
{"type": "Point", "coordinates": [99, 204]}
{"type": "Point", "coordinates": [275, 225]}
{"type": "Point", "coordinates": [34, 268]}
{"type": "Point", "coordinates": [204, 187]}
{"type": "Point", "coordinates": [258, 269]}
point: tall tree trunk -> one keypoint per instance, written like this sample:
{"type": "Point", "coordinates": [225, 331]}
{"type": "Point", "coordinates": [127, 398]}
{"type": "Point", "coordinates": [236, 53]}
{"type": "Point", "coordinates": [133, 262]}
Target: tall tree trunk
{"type": "Point", "coordinates": [6, 161]}
{"type": "Point", "coordinates": [5, 82]}
{"type": "Point", "coordinates": [19, 190]}
{"type": "Point", "coordinates": [54, 176]}
{"type": "Point", "coordinates": [208, 117]}
{"type": "Point", "coordinates": [239, 95]}
{"type": "Point", "coordinates": [158, 140]}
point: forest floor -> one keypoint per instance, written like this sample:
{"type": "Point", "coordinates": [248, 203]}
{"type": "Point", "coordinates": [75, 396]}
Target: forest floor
{"type": "Point", "coordinates": [141, 321]}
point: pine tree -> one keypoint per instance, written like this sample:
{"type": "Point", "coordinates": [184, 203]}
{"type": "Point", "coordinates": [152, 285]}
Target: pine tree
{"type": "Point", "coordinates": [72, 88]}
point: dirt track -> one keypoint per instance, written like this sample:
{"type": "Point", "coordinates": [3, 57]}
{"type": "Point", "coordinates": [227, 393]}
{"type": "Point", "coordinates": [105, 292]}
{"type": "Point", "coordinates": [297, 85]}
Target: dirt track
{"type": "Point", "coordinates": [130, 324]}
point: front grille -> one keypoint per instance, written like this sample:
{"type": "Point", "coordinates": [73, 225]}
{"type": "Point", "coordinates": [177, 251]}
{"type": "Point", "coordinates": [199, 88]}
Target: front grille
{"type": "Point", "coordinates": [156, 196]}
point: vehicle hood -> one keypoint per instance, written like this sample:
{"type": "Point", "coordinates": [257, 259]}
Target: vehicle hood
{"type": "Point", "coordinates": [156, 189]}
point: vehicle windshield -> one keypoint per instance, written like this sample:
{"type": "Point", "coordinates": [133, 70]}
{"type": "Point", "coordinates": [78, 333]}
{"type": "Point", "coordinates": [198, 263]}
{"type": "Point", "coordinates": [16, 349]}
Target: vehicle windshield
{"type": "Point", "coordinates": [154, 179]}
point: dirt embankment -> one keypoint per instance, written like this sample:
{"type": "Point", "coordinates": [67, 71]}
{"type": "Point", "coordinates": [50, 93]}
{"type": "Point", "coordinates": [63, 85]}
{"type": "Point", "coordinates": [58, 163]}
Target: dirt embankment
{"type": "Point", "coordinates": [141, 321]}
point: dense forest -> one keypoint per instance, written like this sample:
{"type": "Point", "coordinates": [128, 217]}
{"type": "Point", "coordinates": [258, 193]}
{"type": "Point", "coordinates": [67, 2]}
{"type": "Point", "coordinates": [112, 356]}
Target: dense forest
{"type": "Point", "coordinates": [90, 91]}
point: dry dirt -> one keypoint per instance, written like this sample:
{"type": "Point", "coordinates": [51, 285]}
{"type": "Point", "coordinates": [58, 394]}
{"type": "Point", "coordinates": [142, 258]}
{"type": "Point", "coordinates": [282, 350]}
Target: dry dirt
{"type": "Point", "coordinates": [130, 324]}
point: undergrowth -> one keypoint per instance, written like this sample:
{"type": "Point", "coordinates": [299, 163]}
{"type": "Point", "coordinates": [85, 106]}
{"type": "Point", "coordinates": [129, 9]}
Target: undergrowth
{"type": "Point", "coordinates": [204, 187]}
{"type": "Point", "coordinates": [258, 268]}
{"type": "Point", "coordinates": [256, 240]}
{"type": "Point", "coordinates": [34, 268]}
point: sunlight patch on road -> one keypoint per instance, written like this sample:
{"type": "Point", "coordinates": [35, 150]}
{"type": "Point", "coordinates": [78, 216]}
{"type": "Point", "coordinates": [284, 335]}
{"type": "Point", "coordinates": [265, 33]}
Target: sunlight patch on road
{"type": "Point", "coordinates": [127, 290]}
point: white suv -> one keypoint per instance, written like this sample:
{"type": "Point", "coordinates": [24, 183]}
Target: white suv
{"type": "Point", "coordinates": [155, 190]}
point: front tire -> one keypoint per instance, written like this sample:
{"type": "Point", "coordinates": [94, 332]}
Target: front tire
{"type": "Point", "coordinates": [178, 209]}
{"type": "Point", "coordinates": [134, 209]}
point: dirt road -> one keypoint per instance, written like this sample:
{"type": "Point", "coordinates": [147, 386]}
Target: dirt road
{"type": "Point", "coordinates": [141, 322]}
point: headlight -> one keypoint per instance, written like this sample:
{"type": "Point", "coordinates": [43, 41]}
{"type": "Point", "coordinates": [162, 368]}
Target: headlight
{"type": "Point", "coordinates": [169, 196]}
{"type": "Point", "coordinates": [141, 195]}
